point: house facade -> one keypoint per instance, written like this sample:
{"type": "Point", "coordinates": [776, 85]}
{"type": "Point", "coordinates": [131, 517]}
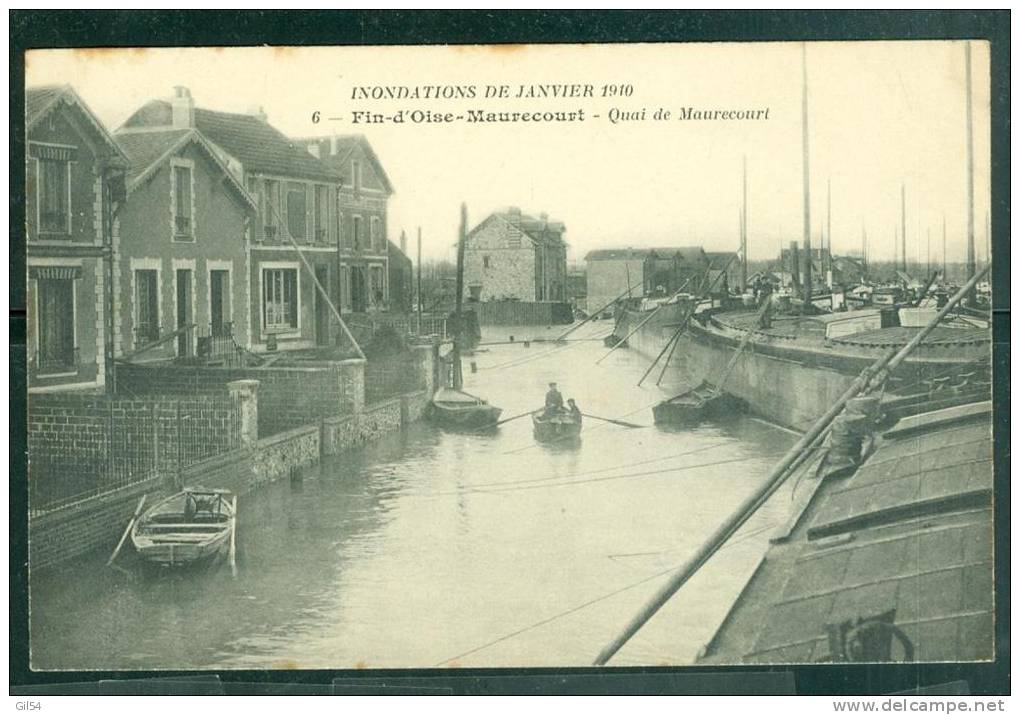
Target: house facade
{"type": "Point", "coordinates": [183, 257]}
{"type": "Point", "coordinates": [74, 183]}
{"type": "Point", "coordinates": [364, 194]}
{"type": "Point", "coordinates": [296, 208]}
{"type": "Point", "coordinates": [514, 256]}
{"type": "Point", "coordinates": [400, 277]}
{"type": "Point", "coordinates": [612, 272]}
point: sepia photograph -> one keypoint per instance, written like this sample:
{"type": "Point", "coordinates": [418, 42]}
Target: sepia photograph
{"type": "Point", "coordinates": [509, 356]}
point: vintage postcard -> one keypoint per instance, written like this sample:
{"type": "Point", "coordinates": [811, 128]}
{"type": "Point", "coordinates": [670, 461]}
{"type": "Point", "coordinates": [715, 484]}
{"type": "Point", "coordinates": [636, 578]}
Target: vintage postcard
{"type": "Point", "coordinates": [509, 356]}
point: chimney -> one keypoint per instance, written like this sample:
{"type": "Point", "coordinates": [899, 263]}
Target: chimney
{"type": "Point", "coordinates": [403, 243]}
{"type": "Point", "coordinates": [313, 149]}
{"type": "Point", "coordinates": [332, 145]}
{"type": "Point", "coordinates": [182, 108]}
{"type": "Point", "coordinates": [259, 113]}
{"type": "Point", "coordinates": [514, 214]}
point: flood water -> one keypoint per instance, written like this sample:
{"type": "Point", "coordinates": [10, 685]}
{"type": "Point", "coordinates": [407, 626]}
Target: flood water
{"type": "Point", "coordinates": [440, 549]}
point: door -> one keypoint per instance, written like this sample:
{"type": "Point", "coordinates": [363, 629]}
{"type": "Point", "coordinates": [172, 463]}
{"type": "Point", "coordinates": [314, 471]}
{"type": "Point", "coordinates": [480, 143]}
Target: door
{"type": "Point", "coordinates": [359, 290]}
{"type": "Point", "coordinates": [184, 311]}
{"type": "Point", "coordinates": [321, 309]}
{"type": "Point", "coordinates": [219, 304]}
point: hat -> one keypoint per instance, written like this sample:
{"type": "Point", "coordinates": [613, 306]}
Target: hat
{"type": "Point", "coordinates": [552, 384]}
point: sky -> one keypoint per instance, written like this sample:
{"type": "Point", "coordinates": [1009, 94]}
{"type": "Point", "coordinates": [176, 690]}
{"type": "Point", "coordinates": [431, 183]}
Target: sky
{"type": "Point", "coordinates": [882, 115]}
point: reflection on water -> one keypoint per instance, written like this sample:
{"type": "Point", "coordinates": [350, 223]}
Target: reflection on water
{"type": "Point", "coordinates": [430, 548]}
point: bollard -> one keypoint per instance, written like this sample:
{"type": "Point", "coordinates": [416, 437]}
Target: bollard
{"type": "Point", "coordinates": [511, 338]}
{"type": "Point", "coordinates": [474, 366]}
{"type": "Point", "coordinates": [527, 343]}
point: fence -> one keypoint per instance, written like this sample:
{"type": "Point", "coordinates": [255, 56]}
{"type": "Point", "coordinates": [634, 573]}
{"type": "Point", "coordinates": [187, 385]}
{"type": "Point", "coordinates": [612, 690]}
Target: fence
{"type": "Point", "coordinates": [81, 446]}
{"type": "Point", "coordinates": [365, 325]}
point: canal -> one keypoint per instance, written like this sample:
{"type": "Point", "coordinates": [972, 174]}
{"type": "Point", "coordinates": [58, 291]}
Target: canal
{"type": "Point", "coordinates": [438, 549]}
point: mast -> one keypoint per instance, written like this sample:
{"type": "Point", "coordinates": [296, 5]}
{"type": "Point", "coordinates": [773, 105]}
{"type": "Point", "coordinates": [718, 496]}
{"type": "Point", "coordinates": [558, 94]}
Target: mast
{"type": "Point", "coordinates": [944, 263]}
{"type": "Point", "coordinates": [419, 281]}
{"type": "Point", "coordinates": [828, 230]}
{"type": "Point", "coordinates": [458, 373]}
{"type": "Point", "coordinates": [927, 271]}
{"type": "Point", "coordinates": [971, 261]}
{"type": "Point", "coordinates": [743, 235]}
{"type": "Point", "coordinates": [807, 176]}
{"type": "Point", "coordinates": [864, 248]}
{"type": "Point", "coordinates": [903, 225]}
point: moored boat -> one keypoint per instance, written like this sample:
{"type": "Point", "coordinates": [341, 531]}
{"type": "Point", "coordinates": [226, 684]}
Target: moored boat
{"type": "Point", "coordinates": [691, 406]}
{"type": "Point", "coordinates": [188, 527]}
{"type": "Point", "coordinates": [458, 409]}
{"type": "Point", "coordinates": [558, 426]}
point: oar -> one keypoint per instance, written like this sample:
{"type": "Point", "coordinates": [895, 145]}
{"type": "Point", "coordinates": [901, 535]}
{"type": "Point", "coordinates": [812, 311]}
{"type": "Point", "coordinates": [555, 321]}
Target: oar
{"type": "Point", "coordinates": [515, 417]}
{"type": "Point", "coordinates": [615, 422]}
{"type": "Point", "coordinates": [138, 510]}
{"type": "Point", "coordinates": [233, 538]}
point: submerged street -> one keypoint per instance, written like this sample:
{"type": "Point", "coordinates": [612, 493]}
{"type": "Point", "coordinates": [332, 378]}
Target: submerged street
{"type": "Point", "coordinates": [430, 548]}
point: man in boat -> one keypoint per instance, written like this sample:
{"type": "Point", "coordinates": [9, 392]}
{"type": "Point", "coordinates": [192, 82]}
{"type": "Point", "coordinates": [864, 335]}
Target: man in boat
{"type": "Point", "coordinates": [553, 400]}
{"type": "Point", "coordinates": [574, 409]}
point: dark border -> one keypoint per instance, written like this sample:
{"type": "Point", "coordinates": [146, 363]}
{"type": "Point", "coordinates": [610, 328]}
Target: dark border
{"type": "Point", "coordinates": [37, 29]}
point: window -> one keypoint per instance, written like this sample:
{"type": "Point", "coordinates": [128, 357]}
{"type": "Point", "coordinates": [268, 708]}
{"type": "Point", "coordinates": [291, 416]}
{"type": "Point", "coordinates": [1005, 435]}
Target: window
{"type": "Point", "coordinates": [146, 307]}
{"type": "Point", "coordinates": [356, 174]}
{"type": "Point", "coordinates": [485, 261]}
{"type": "Point", "coordinates": [219, 303]}
{"type": "Point", "coordinates": [378, 292]}
{"type": "Point", "coordinates": [54, 196]}
{"type": "Point", "coordinates": [357, 233]}
{"type": "Point", "coordinates": [56, 325]}
{"type": "Point", "coordinates": [183, 209]}
{"type": "Point", "coordinates": [279, 299]}
{"type": "Point", "coordinates": [321, 214]}
{"type": "Point", "coordinates": [296, 207]}
{"type": "Point", "coordinates": [271, 215]}
{"type": "Point", "coordinates": [373, 229]}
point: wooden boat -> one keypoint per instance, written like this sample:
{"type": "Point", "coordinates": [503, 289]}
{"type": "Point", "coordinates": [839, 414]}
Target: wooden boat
{"type": "Point", "coordinates": [190, 526]}
{"type": "Point", "coordinates": [458, 409]}
{"type": "Point", "coordinates": [696, 404]}
{"type": "Point", "coordinates": [561, 426]}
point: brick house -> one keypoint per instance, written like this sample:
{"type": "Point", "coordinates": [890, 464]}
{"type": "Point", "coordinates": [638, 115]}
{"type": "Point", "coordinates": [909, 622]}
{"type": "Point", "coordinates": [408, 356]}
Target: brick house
{"type": "Point", "coordinates": [365, 191]}
{"type": "Point", "coordinates": [295, 195]}
{"type": "Point", "coordinates": [182, 256]}
{"type": "Point", "coordinates": [73, 183]}
{"type": "Point", "coordinates": [513, 256]}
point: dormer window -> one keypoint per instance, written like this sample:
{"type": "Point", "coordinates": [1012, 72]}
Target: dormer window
{"type": "Point", "coordinates": [183, 199]}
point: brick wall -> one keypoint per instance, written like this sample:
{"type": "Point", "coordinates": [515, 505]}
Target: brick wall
{"type": "Point", "coordinates": [523, 313]}
{"type": "Point", "coordinates": [393, 375]}
{"type": "Point", "coordinates": [288, 397]}
{"type": "Point", "coordinates": [80, 444]}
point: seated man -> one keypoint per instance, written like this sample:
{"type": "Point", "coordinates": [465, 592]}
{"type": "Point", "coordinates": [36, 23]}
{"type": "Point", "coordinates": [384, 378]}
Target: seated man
{"type": "Point", "coordinates": [574, 409]}
{"type": "Point", "coordinates": [553, 400]}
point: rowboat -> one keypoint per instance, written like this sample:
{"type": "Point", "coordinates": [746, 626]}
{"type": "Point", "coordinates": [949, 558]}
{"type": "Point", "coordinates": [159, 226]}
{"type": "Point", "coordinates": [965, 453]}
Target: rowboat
{"type": "Point", "coordinates": [191, 526]}
{"type": "Point", "coordinates": [559, 426]}
{"type": "Point", "coordinates": [459, 410]}
{"type": "Point", "coordinates": [696, 404]}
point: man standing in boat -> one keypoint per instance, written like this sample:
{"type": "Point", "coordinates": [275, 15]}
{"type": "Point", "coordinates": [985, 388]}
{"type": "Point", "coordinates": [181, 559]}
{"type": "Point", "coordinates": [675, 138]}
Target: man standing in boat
{"type": "Point", "coordinates": [553, 400]}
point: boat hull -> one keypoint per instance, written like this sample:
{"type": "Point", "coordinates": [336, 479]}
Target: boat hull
{"type": "Point", "coordinates": [556, 429]}
{"type": "Point", "coordinates": [171, 534]}
{"type": "Point", "coordinates": [470, 417]}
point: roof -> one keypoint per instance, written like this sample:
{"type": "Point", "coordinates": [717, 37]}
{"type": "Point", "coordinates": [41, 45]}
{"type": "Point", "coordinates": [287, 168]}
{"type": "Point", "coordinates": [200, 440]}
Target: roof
{"type": "Point", "coordinates": [394, 252]}
{"type": "Point", "coordinates": [147, 151]}
{"type": "Point", "coordinates": [909, 532]}
{"type": "Point", "coordinates": [259, 147]}
{"type": "Point", "coordinates": [618, 254]}
{"type": "Point", "coordinates": [537, 229]}
{"type": "Point", "coordinates": [39, 101]}
{"type": "Point", "coordinates": [336, 152]}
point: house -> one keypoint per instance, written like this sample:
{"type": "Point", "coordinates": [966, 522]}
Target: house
{"type": "Point", "coordinates": [296, 196]}
{"type": "Point", "coordinates": [514, 256]}
{"type": "Point", "coordinates": [400, 276]}
{"type": "Point", "coordinates": [182, 259]}
{"type": "Point", "coordinates": [365, 190]}
{"type": "Point", "coordinates": [74, 183]}
{"type": "Point", "coordinates": [728, 261]}
{"type": "Point", "coordinates": [616, 272]}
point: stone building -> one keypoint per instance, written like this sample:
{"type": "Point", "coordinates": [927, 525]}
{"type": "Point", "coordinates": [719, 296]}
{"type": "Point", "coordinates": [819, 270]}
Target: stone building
{"type": "Point", "coordinates": [514, 256]}
{"type": "Point", "coordinates": [365, 191]}
{"type": "Point", "coordinates": [296, 198]}
{"type": "Point", "coordinates": [639, 272]}
{"type": "Point", "coordinates": [74, 184]}
{"type": "Point", "coordinates": [182, 263]}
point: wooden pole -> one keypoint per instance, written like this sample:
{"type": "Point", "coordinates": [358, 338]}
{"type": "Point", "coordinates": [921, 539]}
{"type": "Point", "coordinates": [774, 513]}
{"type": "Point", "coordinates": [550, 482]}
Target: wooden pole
{"type": "Point", "coordinates": [233, 537]}
{"type": "Point", "coordinates": [944, 262]}
{"type": "Point", "coordinates": [971, 258]}
{"type": "Point", "coordinates": [138, 510]}
{"type": "Point", "coordinates": [871, 376]}
{"type": "Point", "coordinates": [903, 225]}
{"type": "Point", "coordinates": [806, 177]}
{"type": "Point", "coordinates": [743, 236]}
{"type": "Point", "coordinates": [420, 302]}
{"type": "Point", "coordinates": [458, 374]}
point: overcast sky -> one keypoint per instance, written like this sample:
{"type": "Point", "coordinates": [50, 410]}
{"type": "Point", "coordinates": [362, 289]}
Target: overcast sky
{"type": "Point", "coordinates": [882, 114]}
